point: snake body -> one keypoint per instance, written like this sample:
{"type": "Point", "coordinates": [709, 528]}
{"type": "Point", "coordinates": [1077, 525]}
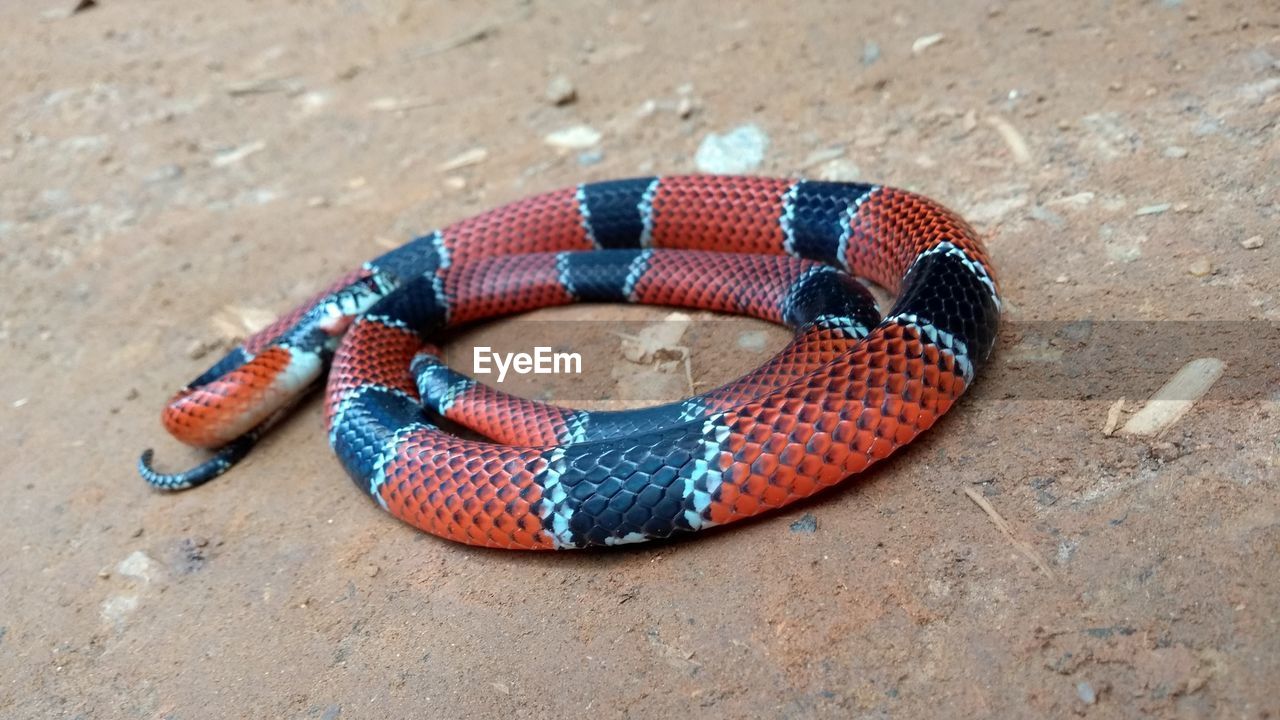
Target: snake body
{"type": "Point", "coordinates": [846, 392]}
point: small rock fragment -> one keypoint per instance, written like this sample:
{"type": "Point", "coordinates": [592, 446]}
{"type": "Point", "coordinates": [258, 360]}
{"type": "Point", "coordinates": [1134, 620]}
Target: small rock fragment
{"type": "Point", "coordinates": [658, 342]}
{"type": "Point", "coordinates": [1113, 417]}
{"type": "Point", "coordinates": [806, 524]}
{"type": "Point", "coordinates": [870, 52]}
{"type": "Point", "coordinates": [560, 91]}
{"type": "Point", "coordinates": [1200, 267]}
{"type": "Point", "coordinates": [1086, 693]}
{"type": "Point", "coordinates": [738, 151]}
{"type": "Point", "coordinates": [590, 157]}
{"type": "Point", "coordinates": [1251, 243]}
{"type": "Point", "coordinates": [138, 566]}
{"type": "Point", "coordinates": [576, 137]}
{"type": "Point", "coordinates": [118, 607]}
{"type": "Point", "coordinates": [753, 340]}
{"type": "Point", "coordinates": [1153, 209]}
{"type": "Point", "coordinates": [924, 43]}
{"type": "Point", "coordinates": [1175, 152]}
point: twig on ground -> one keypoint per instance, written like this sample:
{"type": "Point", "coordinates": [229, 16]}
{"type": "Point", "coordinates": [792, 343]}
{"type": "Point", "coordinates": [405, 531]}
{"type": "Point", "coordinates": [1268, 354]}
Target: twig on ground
{"type": "Point", "coordinates": [1014, 139]}
{"type": "Point", "coordinates": [1175, 398]}
{"type": "Point", "coordinates": [1003, 526]}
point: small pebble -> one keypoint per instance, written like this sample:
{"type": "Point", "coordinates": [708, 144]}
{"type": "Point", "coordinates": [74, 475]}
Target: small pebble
{"type": "Point", "coordinates": [806, 524]}
{"type": "Point", "coordinates": [1086, 693]}
{"type": "Point", "coordinates": [923, 43]}
{"type": "Point", "coordinates": [1153, 209]}
{"type": "Point", "coordinates": [1252, 243]}
{"type": "Point", "coordinates": [870, 52]}
{"type": "Point", "coordinates": [1062, 279]}
{"type": "Point", "coordinates": [1175, 152]}
{"type": "Point", "coordinates": [139, 566]}
{"type": "Point", "coordinates": [560, 91]}
{"type": "Point", "coordinates": [590, 157]}
{"type": "Point", "coordinates": [577, 137]}
{"type": "Point", "coordinates": [738, 151]}
{"type": "Point", "coordinates": [1200, 268]}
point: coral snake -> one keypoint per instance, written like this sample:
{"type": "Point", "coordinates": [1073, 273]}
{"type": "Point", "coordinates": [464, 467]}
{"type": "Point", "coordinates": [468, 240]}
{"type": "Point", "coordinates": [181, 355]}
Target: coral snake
{"type": "Point", "coordinates": [847, 391]}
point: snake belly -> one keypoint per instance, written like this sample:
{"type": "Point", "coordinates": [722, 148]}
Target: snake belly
{"type": "Point", "coordinates": [849, 390]}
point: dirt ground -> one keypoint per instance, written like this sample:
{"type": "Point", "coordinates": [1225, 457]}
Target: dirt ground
{"type": "Point", "coordinates": [172, 172]}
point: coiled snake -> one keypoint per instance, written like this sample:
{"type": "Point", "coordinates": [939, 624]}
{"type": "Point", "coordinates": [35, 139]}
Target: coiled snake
{"type": "Point", "coordinates": [847, 391]}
